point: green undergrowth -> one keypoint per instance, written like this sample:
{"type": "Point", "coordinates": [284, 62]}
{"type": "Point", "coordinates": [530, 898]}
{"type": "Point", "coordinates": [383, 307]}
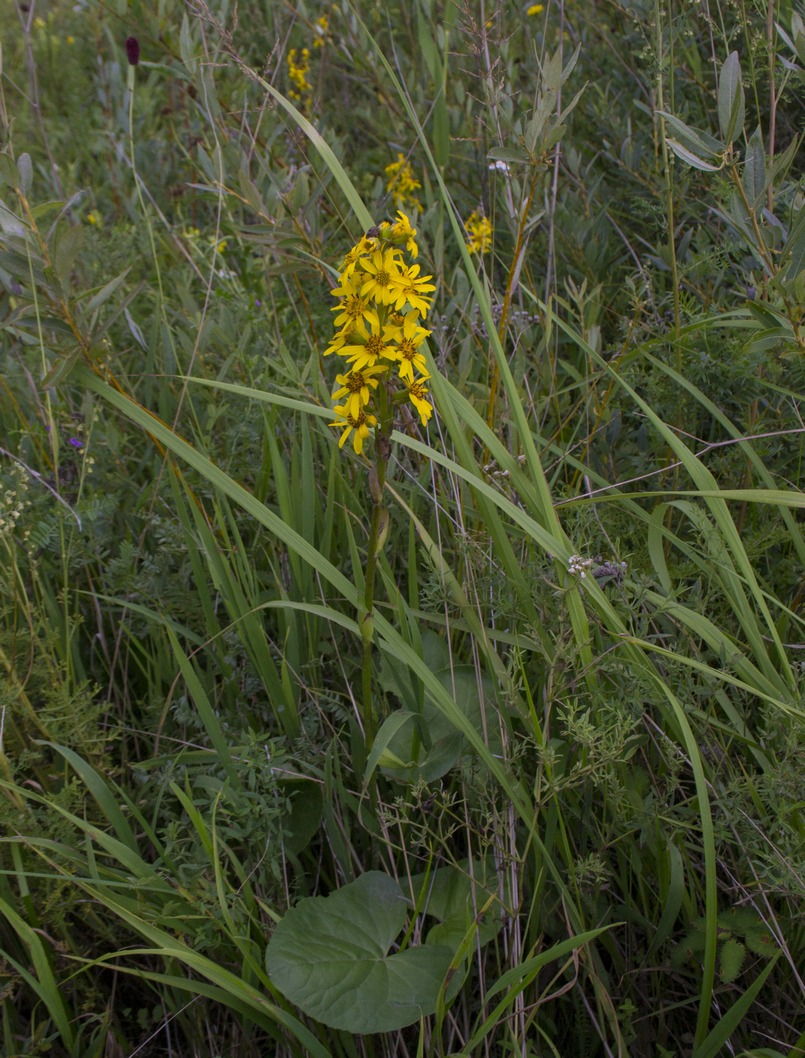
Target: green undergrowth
{"type": "Point", "coordinates": [484, 740]}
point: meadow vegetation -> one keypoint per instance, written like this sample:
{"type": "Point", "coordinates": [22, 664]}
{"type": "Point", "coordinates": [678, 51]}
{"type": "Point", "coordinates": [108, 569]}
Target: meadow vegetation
{"type": "Point", "coordinates": [473, 726]}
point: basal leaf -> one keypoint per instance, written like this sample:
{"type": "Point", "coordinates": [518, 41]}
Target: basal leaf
{"type": "Point", "coordinates": [330, 957]}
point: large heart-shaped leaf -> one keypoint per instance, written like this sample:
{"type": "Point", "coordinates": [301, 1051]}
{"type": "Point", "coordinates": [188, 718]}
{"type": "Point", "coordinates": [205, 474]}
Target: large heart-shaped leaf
{"type": "Point", "coordinates": [455, 895]}
{"type": "Point", "coordinates": [427, 750]}
{"type": "Point", "coordinates": [330, 957]}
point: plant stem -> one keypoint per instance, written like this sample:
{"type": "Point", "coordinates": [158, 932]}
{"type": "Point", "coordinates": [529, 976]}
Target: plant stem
{"type": "Point", "coordinates": [377, 536]}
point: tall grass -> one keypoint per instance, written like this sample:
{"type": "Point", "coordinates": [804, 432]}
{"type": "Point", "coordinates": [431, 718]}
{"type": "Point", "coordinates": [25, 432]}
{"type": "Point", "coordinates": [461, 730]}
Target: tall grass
{"type": "Point", "coordinates": [580, 753]}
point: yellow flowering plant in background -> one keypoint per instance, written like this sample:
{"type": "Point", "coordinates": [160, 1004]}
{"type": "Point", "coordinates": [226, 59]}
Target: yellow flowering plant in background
{"type": "Point", "coordinates": [321, 29]}
{"type": "Point", "coordinates": [479, 233]}
{"type": "Point", "coordinates": [401, 184]}
{"type": "Point", "coordinates": [298, 62]}
{"type": "Point", "coordinates": [298, 68]}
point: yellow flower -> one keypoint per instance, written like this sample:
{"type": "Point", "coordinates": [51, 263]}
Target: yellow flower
{"type": "Point", "coordinates": [401, 231]}
{"type": "Point", "coordinates": [298, 69]}
{"type": "Point", "coordinates": [364, 346]}
{"type": "Point", "coordinates": [352, 307]}
{"type": "Point", "coordinates": [412, 289]}
{"type": "Point", "coordinates": [381, 282]}
{"type": "Point", "coordinates": [360, 423]}
{"type": "Point", "coordinates": [479, 232]}
{"type": "Point", "coordinates": [408, 338]}
{"type": "Point", "coordinates": [356, 387]}
{"type": "Point", "coordinates": [535, 9]}
{"type": "Point", "coordinates": [363, 248]}
{"type": "Point", "coordinates": [417, 393]}
{"type": "Point", "coordinates": [321, 27]}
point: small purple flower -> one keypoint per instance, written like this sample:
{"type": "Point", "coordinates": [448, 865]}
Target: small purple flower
{"type": "Point", "coordinates": [76, 442]}
{"type": "Point", "coordinates": [132, 50]}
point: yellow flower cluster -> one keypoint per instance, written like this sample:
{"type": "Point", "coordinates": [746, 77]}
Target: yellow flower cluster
{"type": "Point", "coordinates": [298, 60]}
{"type": "Point", "coordinates": [321, 28]}
{"type": "Point", "coordinates": [479, 233]}
{"type": "Point", "coordinates": [382, 299]}
{"type": "Point", "coordinates": [402, 184]}
{"type": "Point", "coordinates": [298, 69]}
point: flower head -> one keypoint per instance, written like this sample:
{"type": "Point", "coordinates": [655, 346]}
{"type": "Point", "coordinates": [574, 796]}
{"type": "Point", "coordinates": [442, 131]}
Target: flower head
{"type": "Point", "coordinates": [408, 337]}
{"type": "Point", "coordinates": [357, 386]}
{"type": "Point", "coordinates": [360, 423]}
{"type": "Point", "coordinates": [361, 249]}
{"type": "Point", "coordinates": [132, 50]}
{"type": "Point", "coordinates": [351, 307]}
{"type": "Point", "coordinates": [365, 345]}
{"type": "Point", "coordinates": [412, 289]}
{"type": "Point", "coordinates": [401, 231]}
{"type": "Point", "coordinates": [383, 276]}
{"type": "Point", "coordinates": [479, 233]}
{"type": "Point", "coordinates": [417, 394]}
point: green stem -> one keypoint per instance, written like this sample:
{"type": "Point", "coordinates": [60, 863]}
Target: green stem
{"type": "Point", "coordinates": [377, 536]}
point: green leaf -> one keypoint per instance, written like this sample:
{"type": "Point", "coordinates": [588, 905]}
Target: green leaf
{"type": "Point", "coordinates": [441, 129]}
{"type": "Point", "coordinates": [794, 250]}
{"type": "Point", "coordinates": [692, 159]}
{"type": "Point", "coordinates": [98, 296]}
{"type": "Point", "coordinates": [67, 249]}
{"type": "Point", "coordinates": [760, 941]}
{"type": "Point", "coordinates": [9, 222]}
{"type": "Point", "coordinates": [42, 982]}
{"type": "Point", "coordinates": [552, 71]}
{"type": "Point", "coordinates": [699, 143]}
{"type": "Point", "coordinates": [380, 747]}
{"type": "Point", "coordinates": [731, 106]}
{"type": "Point", "coordinates": [711, 1046]}
{"type": "Point", "coordinates": [26, 170]}
{"type": "Point", "coordinates": [428, 762]}
{"type": "Point", "coordinates": [506, 154]}
{"type": "Point", "coordinates": [329, 956]}
{"type": "Point", "coordinates": [61, 369]}
{"type": "Point", "coordinates": [732, 957]}
{"type": "Point", "coordinates": [454, 895]}
{"type": "Point", "coordinates": [754, 176]}
{"type": "Point", "coordinates": [304, 818]}
{"type": "Point", "coordinates": [8, 170]}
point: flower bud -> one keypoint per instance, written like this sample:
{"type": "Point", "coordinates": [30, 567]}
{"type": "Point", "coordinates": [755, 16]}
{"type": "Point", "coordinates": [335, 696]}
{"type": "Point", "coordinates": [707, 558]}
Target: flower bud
{"type": "Point", "coordinates": [132, 50]}
{"type": "Point", "coordinates": [383, 522]}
